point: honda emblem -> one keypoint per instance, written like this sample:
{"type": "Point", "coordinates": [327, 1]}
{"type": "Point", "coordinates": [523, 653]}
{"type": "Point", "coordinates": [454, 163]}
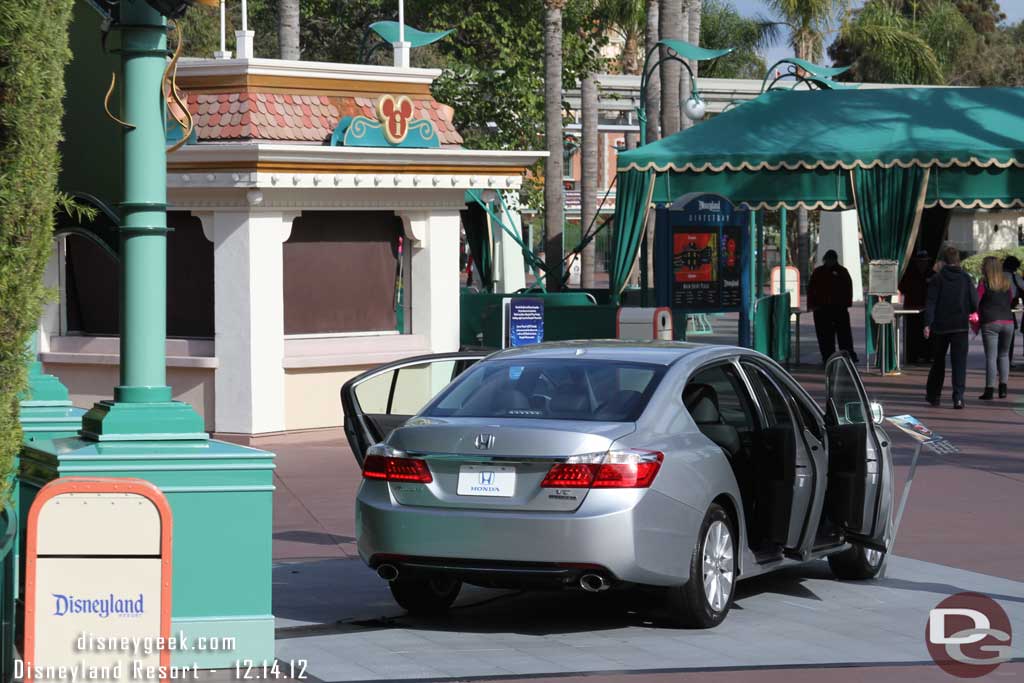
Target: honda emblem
{"type": "Point", "coordinates": [484, 441]}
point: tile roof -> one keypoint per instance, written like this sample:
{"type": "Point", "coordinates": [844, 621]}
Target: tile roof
{"type": "Point", "coordinates": [296, 118]}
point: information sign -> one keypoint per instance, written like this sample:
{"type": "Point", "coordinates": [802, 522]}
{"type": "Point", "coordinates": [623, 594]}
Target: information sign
{"type": "Point", "coordinates": [523, 322]}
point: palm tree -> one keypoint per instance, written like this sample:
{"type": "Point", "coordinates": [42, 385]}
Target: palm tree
{"type": "Point", "coordinates": [691, 33]}
{"type": "Point", "coordinates": [628, 19]}
{"type": "Point", "coordinates": [670, 18]}
{"type": "Point", "coordinates": [887, 43]}
{"type": "Point", "coordinates": [553, 131]}
{"type": "Point", "coordinates": [808, 22]}
{"type": "Point", "coordinates": [588, 197]}
{"type": "Point", "coordinates": [288, 28]}
{"type": "Point", "coordinates": [652, 105]}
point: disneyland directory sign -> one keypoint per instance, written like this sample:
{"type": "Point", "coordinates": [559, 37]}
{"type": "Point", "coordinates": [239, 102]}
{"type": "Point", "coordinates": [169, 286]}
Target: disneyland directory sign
{"type": "Point", "coordinates": [700, 254]}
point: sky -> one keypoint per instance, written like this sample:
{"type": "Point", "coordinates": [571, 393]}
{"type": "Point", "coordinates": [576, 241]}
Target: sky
{"type": "Point", "coordinates": [1014, 10]}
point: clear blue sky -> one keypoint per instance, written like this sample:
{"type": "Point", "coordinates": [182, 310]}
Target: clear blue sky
{"type": "Point", "coordinates": [1014, 10]}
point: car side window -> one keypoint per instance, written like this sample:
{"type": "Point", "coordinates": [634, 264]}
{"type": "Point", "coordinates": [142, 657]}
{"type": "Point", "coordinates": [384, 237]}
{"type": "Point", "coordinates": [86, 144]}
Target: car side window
{"type": "Point", "coordinates": [804, 413]}
{"type": "Point", "coordinates": [772, 400]}
{"type": "Point", "coordinates": [733, 401]}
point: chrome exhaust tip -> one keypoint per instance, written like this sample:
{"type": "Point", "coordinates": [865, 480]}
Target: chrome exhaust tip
{"type": "Point", "coordinates": [388, 572]}
{"type": "Point", "coordinates": [594, 583]}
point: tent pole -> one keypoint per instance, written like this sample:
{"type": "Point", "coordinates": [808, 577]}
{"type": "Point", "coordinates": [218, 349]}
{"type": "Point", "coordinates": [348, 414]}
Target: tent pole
{"type": "Point", "coordinates": [783, 220]}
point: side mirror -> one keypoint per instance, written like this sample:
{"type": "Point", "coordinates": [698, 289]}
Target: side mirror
{"type": "Point", "coordinates": [877, 413]}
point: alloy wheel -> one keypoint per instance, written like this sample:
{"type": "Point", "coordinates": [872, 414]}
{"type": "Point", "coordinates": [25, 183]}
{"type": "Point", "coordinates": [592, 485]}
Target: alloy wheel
{"type": "Point", "coordinates": [718, 566]}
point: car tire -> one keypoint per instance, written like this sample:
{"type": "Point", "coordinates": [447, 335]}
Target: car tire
{"type": "Point", "coordinates": [704, 600]}
{"type": "Point", "coordinates": [856, 563]}
{"type": "Point", "coordinates": [425, 596]}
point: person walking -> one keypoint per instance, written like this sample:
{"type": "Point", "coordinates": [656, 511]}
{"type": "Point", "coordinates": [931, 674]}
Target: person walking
{"type": "Point", "coordinates": [1011, 266]}
{"type": "Point", "coordinates": [914, 288]}
{"type": "Point", "coordinates": [996, 295]}
{"type": "Point", "coordinates": [951, 300]}
{"type": "Point", "coordinates": [829, 297]}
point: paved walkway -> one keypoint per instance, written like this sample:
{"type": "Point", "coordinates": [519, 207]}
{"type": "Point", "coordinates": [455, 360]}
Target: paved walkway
{"type": "Point", "coordinates": [962, 531]}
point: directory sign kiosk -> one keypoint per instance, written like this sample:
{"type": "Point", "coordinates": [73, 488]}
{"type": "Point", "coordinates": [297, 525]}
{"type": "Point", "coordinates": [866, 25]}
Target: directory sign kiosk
{"type": "Point", "coordinates": [98, 581]}
{"type": "Point", "coordinates": [702, 256]}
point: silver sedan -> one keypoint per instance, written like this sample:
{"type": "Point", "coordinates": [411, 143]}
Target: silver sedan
{"type": "Point", "coordinates": [597, 465]}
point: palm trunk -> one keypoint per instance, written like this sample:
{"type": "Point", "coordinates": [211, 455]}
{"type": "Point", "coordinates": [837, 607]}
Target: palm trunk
{"type": "Point", "coordinates": [554, 202]}
{"type": "Point", "coordinates": [288, 28]}
{"type": "Point", "coordinates": [803, 233]}
{"type": "Point", "coordinates": [652, 100]}
{"type": "Point", "coordinates": [670, 15]}
{"type": "Point", "coordinates": [692, 31]}
{"type": "Point", "coordinates": [631, 54]}
{"type": "Point", "coordinates": [588, 196]}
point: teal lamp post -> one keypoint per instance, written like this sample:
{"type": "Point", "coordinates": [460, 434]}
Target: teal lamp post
{"type": "Point", "coordinates": [693, 107]}
{"type": "Point", "coordinates": [679, 51]}
{"type": "Point", "coordinates": [220, 493]}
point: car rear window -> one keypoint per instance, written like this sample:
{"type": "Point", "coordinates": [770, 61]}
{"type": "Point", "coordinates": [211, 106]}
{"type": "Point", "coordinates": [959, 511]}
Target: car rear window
{"type": "Point", "coordinates": [550, 388]}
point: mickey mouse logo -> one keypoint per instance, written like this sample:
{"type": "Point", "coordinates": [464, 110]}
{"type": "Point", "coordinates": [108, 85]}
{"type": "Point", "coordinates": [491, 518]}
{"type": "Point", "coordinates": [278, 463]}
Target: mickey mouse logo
{"type": "Point", "coordinates": [395, 114]}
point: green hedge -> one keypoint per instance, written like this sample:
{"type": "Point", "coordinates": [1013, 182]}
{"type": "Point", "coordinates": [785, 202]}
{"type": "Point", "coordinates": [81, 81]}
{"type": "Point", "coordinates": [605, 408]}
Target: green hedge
{"type": "Point", "coordinates": [33, 54]}
{"type": "Point", "coordinates": [973, 264]}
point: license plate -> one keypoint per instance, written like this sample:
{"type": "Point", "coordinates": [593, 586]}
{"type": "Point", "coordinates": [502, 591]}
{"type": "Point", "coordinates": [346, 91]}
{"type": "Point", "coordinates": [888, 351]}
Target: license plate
{"type": "Point", "coordinates": [487, 480]}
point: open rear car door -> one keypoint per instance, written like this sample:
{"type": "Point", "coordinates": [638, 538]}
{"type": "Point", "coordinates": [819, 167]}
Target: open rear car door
{"type": "Point", "coordinates": [855, 470]}
{"type": "Point", "coordinates": [377, 401]}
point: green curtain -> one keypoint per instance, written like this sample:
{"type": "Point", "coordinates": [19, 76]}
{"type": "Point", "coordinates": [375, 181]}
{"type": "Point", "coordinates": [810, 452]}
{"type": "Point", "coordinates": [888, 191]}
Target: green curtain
{"type": "Point", "coordinates": [889, 204]}
{"type": "Point", "coordinates": [632, 199]}
{"type": "Point", "coordinates": [475, 222]}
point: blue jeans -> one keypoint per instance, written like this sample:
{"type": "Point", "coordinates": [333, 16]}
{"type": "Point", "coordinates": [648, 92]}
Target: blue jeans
{"type": "Point", "coordinates": [997, 338]}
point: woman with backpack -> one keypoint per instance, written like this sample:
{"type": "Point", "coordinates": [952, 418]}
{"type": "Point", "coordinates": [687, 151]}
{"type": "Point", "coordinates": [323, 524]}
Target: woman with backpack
{"type": "Point", "coordinates": [1011, 266]}
{"type": "Point", "coordinates": [996, 295]}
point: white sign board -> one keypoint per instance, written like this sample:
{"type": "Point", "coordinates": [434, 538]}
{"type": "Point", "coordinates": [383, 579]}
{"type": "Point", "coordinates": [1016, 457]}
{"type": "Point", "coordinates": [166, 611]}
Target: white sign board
{"type": "Point", "coordinates": [883, 313]}
{"type": "Point", "coordinates": [97, 575]}
{"type": "Point", "coordinates": [883, 278]}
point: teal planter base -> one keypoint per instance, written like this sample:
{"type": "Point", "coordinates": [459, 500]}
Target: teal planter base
{"type": "Point", "coordinates": [49, 422]}
{"type": "Point", "coordinates": [221, 497]}
{"type": "Point", "coordinates": [254, 639]}
{"type": "Point", "coordinates": [170, 420]}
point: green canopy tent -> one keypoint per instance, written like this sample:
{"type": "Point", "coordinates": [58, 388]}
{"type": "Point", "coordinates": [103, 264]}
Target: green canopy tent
{"type": "Point", "coordinates": [887, 153]}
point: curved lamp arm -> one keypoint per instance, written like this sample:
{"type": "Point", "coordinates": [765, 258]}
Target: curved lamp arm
{"type": "Point", "coordinates": [679, 51]}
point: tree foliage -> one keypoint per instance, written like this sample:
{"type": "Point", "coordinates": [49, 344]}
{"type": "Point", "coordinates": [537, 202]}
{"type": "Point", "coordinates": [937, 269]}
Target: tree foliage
{"type": "Point", "coordinates": [33, 54]}
{"type": "Point", "coordinates": [724, 27]}
{"type": "Point", "coordinates": [808, 21]}
{"type": "Point", "coordinates": [927, 42]}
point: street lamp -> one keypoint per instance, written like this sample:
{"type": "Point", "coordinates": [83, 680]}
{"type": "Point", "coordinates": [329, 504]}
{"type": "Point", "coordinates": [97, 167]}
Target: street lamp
{"type": "Point", "coordinates": [680, 51]}
{"type": "Point", "coordinates": [804, 72]}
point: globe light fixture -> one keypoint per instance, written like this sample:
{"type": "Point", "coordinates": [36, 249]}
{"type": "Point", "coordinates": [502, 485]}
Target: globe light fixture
{"type": "Point", "coordinates": [695, 108]}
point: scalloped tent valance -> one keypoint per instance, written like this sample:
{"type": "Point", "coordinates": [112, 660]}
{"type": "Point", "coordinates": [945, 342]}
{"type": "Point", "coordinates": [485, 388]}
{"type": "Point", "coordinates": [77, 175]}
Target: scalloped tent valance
{"type": "Point", "coordinates": [799, 148]}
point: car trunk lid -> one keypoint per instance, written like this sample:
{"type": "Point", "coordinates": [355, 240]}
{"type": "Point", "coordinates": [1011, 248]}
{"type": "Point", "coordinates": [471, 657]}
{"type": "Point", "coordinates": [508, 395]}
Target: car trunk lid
{"type": "Point", "coordinates": [479, 463]}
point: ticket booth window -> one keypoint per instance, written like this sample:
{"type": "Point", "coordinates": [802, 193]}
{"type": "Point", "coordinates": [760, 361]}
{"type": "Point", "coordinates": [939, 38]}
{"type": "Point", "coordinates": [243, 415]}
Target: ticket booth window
{"type": "Point", "coordinates": [92, 282]}
{"type": "Point", "coordinates": [341, 270]}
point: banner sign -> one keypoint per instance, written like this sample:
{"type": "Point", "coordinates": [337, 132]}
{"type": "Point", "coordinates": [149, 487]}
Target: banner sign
{"type": "Point", "coordinates": [701, 259]}
{"type": "Point", "coordinates": [523, 322]}
{"type": "Point", "coordinates": [97, 576]}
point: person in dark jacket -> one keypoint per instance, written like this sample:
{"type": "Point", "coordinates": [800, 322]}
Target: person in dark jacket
{"type": "Point", "coordinates": [914, 288]}
{"type": "Point", "coordinates": [951, 300]}
{"type": "Point", "coordinates": [829, 297]}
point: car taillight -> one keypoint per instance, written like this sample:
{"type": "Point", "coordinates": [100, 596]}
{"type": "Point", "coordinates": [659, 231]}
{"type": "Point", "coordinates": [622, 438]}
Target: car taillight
{"type": "Point", "coordinates": [632, 469]}
{"type": "Point", "coordinates": [389, 468]}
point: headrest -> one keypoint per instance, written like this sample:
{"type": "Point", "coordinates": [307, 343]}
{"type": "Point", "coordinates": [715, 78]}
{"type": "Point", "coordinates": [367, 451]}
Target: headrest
{"type": "Point", "coordinates": [702, 402]}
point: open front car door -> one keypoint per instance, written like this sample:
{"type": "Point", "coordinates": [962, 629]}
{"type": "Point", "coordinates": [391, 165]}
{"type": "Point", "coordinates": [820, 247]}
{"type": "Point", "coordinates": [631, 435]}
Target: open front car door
{"type": "Point", "coordinates": [381, 399]}
{"type": "Point", "coordinates": [856, 469]}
